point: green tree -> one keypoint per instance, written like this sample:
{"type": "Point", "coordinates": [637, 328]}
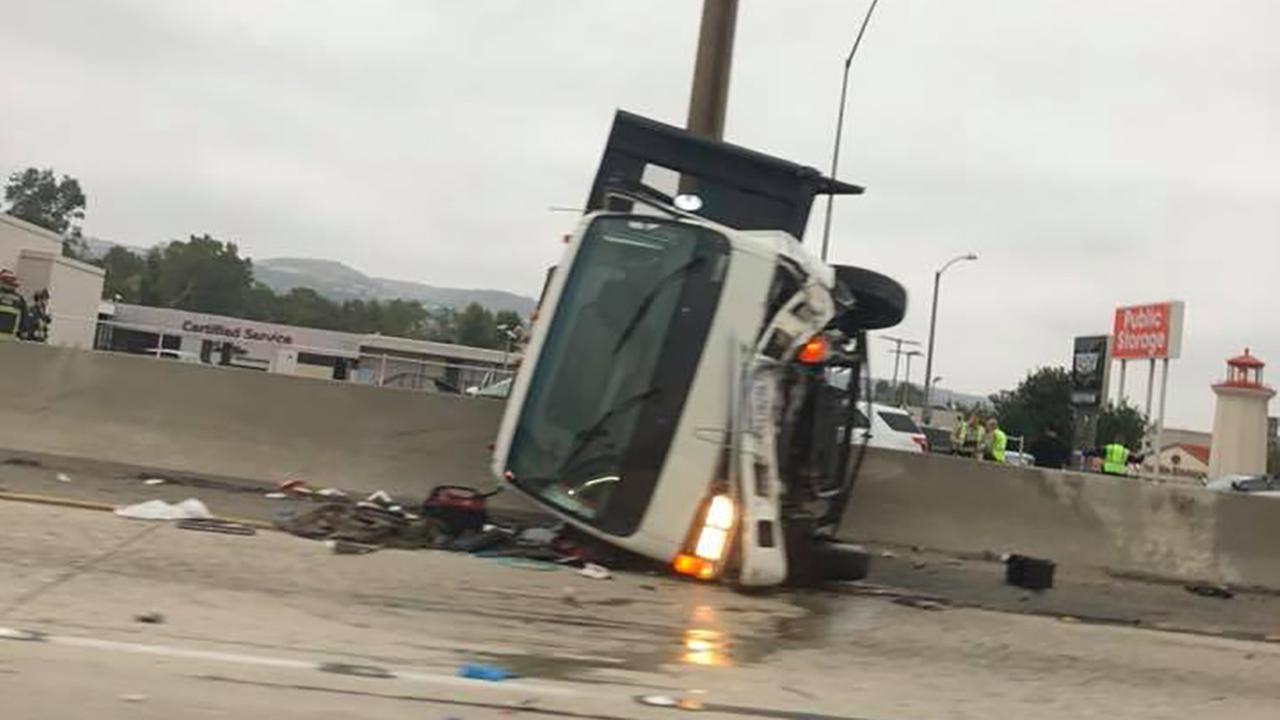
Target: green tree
{"type": "Point", "coordinates": [308, 308]}
{"type": "Point", "coordinates": [1042, 399]}
{"type": "Point", "coordinates": [441, 325]}
{"type": "Point", "coordinates": [261, 303]}
{"type": "Point", "coordinates": [202, 274]}
{"type": "Point", "coordinates": [1122, 421]}
{"type": "Point", "coordinates": [40, 198]}
{"type": "Point", "coordinates": [476, 327]}
{"type": "Point", "coordinates": [125, 275]}
{"type": "Point", "coordinates": [399, 318]}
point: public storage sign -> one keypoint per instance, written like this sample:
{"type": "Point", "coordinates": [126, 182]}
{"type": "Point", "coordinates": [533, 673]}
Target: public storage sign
{"type": "Point", "coordinates": [1142, 332]}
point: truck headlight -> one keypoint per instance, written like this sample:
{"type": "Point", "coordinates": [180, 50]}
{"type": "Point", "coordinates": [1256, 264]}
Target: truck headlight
{"type": "Point", "coordinates": [711, 542]}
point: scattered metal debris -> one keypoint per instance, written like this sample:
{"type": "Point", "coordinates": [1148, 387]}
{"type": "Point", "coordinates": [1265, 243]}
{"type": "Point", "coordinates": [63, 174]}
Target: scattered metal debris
{"type": "Point", "coordinates": [920, 603]}
{"type": "Point", "coordinates": [1222, 592]}
{"type": "Point", "coordinates": [226, 527]}
{"type": "Point", "coordinates": [347, 547]}
{"type": "Point", "coordinates": [365, 671]}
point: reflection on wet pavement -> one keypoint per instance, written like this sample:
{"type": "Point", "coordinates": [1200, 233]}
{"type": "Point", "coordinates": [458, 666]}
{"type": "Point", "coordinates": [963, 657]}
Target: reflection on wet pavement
{"type": "Point", "coordinates": [704, 643]}
{"type": "Point", "coordinates": [705, 647]}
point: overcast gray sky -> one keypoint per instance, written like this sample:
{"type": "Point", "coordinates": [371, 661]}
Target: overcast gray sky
{"type": "Point", "coordinates": [1093, 152]}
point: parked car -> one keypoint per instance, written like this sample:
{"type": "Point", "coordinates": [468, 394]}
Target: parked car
{"type": "Point", "coordinates": [1023, 459]}
{"type": "Point", "coordinates": [890, 427]}
{"type": "Point", "coordinates": [1259, 485]}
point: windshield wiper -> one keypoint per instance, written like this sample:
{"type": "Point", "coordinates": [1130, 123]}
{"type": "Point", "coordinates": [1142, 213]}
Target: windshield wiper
{"type": "Point", "coordinates": [644, 305]}
{"type": "Point", "coordinates": [583, 437]}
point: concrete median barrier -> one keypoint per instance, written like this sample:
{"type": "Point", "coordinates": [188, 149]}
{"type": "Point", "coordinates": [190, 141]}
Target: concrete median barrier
{"type": "Point", "coordinates": [1122, 524]}
{"type": "Point", "coordinates": [162, 414]}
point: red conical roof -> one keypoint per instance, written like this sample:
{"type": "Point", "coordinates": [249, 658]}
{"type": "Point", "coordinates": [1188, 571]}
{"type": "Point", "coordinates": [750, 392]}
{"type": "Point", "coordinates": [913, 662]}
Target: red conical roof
{"type": "Point", "coordinates": [1246, 360]}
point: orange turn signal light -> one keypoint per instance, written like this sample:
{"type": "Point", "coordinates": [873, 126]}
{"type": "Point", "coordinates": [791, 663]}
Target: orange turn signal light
{"type": "Point", "coordinates": [814, 351]}
{"type": "Point", "coordinates": [694, 566]}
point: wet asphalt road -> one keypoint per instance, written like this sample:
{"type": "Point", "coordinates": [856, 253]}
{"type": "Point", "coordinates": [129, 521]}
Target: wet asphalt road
{"type": "Point", "coordinates": [276, 626]}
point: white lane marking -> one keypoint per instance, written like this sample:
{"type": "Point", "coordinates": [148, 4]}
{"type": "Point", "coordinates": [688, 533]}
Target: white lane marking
{"type": "Point", "coordinates": [512, 686]}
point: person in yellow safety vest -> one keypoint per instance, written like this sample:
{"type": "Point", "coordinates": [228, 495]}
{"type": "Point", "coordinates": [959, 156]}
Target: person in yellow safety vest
{"type": "Point", "coordinates": [997, 441]}
{"type": "Point", "coordinates": [960, 434]}
{"type": "Point", "coordinates": [1115, 458]}
{"type": "Point", "coordinates": [975, 441]}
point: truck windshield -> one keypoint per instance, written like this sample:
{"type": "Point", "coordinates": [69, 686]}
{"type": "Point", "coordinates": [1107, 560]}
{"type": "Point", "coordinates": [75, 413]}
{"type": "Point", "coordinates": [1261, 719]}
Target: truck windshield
{"type": "Point", "coordinates": [618, 359]}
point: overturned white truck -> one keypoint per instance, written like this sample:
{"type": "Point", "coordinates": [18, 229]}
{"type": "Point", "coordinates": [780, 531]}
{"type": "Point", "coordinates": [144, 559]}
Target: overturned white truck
{"type": "Point", "coordinates": [689, 389]}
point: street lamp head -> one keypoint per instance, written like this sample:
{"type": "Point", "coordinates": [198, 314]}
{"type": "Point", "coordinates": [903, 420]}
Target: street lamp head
{"type": "Point", "coordinates": [956, 259]}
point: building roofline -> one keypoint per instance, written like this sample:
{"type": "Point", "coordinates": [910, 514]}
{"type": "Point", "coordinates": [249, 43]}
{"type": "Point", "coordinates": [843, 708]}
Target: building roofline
{"type": "Point", "coordinates": [31, 227]}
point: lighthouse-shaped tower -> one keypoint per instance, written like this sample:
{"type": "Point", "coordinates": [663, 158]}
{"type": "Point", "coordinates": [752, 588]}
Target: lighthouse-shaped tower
{"type": "Point", "coordinates": [1240, 419]}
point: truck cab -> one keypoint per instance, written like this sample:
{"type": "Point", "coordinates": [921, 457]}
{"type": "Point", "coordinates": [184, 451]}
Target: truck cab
{"type": "Point", "coordinates": [673, 399]}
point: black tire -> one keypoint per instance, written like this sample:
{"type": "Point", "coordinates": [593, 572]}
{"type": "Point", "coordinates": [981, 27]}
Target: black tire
{"type": "Point", "coordinates": [841, 561]}
{"type": "Point", "coordinates": [879, 301]}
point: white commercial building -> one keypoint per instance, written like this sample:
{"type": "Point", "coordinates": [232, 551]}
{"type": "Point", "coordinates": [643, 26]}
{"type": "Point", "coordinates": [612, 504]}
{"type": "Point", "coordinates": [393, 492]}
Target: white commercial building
{"type": "Point", "coordinates": [372, 359]}
{"type": "Point", "coordinates": [35, 256]}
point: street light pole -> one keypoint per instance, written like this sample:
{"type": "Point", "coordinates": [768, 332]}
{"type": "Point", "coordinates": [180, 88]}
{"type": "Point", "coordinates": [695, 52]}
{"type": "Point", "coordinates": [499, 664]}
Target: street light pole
{"type": "Point", "coordinates": [835, 152]}
{"type": "Point", "coordinates": [898, 352]}
{"type": "Point", "coordinates": [905, 399]}
{"type": "Point", "coordinates": [926, 414]}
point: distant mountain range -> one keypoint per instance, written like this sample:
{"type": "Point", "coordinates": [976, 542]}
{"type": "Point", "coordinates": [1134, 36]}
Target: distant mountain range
{"type": "Point", "coordinates": [339, 282]}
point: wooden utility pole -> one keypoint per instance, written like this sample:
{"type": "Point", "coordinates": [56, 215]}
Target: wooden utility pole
{"type": "Point", "coordinates": [710, 94]}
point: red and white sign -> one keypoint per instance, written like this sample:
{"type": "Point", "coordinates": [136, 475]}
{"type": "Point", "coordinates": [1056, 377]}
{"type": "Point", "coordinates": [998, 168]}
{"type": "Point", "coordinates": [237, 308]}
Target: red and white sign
{"type": "Point", "coordinates": [1142, 332]}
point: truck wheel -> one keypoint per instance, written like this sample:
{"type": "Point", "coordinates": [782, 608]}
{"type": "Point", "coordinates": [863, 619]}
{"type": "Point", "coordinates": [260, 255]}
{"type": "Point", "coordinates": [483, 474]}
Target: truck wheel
{"type": "Point", "coordinates": [841, 561]}
{"type": "Point", "coordinates": [879, 300]}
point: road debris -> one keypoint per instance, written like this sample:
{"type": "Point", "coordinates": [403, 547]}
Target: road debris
{"type": "Point", "coordinates": [1028, 572]}
{"type": "Point", "coordinates": [1222, 592]}
{"type": "Point", "coordinates": [347, 547]}
{"type": "Point", "coordinates": [226, 527]}
{"type": "Point", "coordinates": [20, 462]}
{"type": "Point", "coordinates": [490, 673]}
{"type": "Point", "coordinates": [537, 536]}
{"type": "Point", "coordinates": [150, 618]}
{"type": "Point", "coordinates": [919, 603]}
{"type": "Point", "coordinates": [365, 671]}
{"type": "Point", "coordinates": [190, 508]}
{"type": "Point", "coordinates": [595, 572]}
{"type": "Point", "coordinates": [294, 486]}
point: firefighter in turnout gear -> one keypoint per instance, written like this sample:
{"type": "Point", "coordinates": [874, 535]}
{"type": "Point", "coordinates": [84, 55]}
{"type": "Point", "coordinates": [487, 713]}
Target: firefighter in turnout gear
{"type": "Point", "coordinates": [13, 307]}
